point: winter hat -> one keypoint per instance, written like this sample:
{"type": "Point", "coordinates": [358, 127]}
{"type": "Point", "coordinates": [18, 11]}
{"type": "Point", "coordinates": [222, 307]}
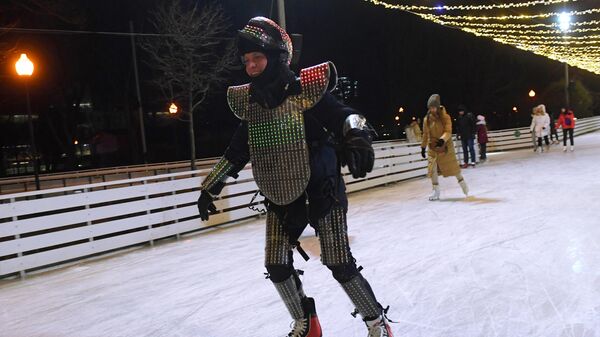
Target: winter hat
{"type": "Point", "coordinates": [434, 101]}
{"type": "Point", "coordinates": [480, 117]}
{"type": "Point", "coordinates": [542, 109]}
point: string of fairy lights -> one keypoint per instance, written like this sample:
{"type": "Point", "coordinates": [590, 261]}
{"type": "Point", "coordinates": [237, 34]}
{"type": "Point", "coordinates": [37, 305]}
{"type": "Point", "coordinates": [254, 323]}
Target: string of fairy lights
{"type": "Point", "coordinates": [563, 30]}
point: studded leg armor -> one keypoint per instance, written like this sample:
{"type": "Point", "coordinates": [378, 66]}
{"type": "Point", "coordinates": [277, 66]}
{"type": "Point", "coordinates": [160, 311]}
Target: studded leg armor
{"type": "Point", "coordinates": [279, 264]}
{"type": "Point", "coordinates": [336, 255]}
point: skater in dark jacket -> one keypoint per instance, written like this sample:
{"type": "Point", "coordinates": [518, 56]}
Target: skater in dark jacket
{"type": "Point", "coordinates": [465, 131]}
{"type": "Point", "coordinates": [297, 136]}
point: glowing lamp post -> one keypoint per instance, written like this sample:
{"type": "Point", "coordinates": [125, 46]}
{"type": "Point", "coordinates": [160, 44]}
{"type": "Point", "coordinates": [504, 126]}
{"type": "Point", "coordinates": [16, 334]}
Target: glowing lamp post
{"type": "Point", "coordinates": [531, 93]}
{"type": "Point", "coordinates": [24, 68]}
{"type": "Point", "coordinates": [564, 23]}
{"type": "Point", "coordinates": [173, 109]}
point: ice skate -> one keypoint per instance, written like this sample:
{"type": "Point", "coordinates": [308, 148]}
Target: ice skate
{"type": "Point", "coordinates": [435, 194]}
{"type": "Point", "coordinates": [465, 188]}
{"type": "Point", "coordinates": [465, 165]}
{"type": "Point", "coordinates": [572, 148]}
{"type": "Point", "coordinates": [564, 149]}
{"type": "Point", "coordinates": [379, 327]}
{"type": "Point", "coordinates": [308, 326]}
{"type": "Point", "coordinates": [472, 164]}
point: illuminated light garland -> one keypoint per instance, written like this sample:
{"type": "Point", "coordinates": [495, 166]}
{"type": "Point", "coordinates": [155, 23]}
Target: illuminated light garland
{"type": "Point", "coordinates": [540, 42]}
{"type": "Point", "coordinates": [515, 25]}
{"type": "Point", "coordinates": [533, 37]}
{"type": "Point", "coordinates": [506, 17]}
{"type": "Point", "coordinates": [516, 40]}
{"type": "Point", "coordinates": [468, 7]}
{"type": "Point", "coordinates": [535, 32]}
{"type": "Point", "coordinates": [544, 39]}
{"type": "Point", "coordinates": [573, 50]}
{"type": "Point", "coordinates": [585, 57]}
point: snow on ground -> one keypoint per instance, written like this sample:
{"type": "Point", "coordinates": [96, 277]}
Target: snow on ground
{"type": "Point", "coordinates": [521, 257]}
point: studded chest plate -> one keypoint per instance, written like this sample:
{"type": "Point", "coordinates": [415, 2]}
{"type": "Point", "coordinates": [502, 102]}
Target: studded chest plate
{"type": "Point", "coordinates": [277, 138]}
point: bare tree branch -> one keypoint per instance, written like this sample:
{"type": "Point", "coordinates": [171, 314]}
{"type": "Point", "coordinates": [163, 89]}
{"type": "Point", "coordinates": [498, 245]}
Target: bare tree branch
{"type": "Point", "coordinates": [196, 56]}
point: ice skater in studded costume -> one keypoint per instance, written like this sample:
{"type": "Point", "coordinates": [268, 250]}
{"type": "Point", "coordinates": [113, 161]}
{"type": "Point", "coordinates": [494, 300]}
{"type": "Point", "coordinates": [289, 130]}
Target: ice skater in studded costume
{"type": "Point", "coordinates": [297, 136]}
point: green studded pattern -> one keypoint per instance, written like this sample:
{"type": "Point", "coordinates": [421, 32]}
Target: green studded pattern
{"type": "Point", "coordinates": [277, 138]}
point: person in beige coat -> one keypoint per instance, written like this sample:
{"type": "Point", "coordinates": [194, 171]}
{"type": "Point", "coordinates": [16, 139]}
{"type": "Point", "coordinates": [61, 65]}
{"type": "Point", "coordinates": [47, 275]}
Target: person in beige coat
{"type": "Point", "coordinates": [437, 135]}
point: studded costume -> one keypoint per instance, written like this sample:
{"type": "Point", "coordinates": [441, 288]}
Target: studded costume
{"type": "Point", "coordinates": [291, 130]}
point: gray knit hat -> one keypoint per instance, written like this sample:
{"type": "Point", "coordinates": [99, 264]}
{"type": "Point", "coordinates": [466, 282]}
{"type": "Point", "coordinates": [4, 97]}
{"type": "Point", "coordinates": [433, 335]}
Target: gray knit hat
{"type": "Point", "coordinates": [434, 100]}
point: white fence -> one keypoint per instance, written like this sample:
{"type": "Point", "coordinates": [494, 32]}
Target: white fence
{"type": "Point", "coordinates": [512, 139]}
{"type": "Point", "coordinates": [43, 228]}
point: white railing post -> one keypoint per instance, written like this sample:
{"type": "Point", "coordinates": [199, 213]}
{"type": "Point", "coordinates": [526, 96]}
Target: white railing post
{"type": "Point", "coordinates": [146, 197]}
{"type": "Point", "coordinates": [17, 237]}
{"type": "Point", "coordinates": [89, 222]}
{"type": "Point", "coordinates": [178, 235]}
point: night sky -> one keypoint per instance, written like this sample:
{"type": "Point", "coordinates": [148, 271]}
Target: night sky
{"type": "Point", "coordinates": [397, 58]}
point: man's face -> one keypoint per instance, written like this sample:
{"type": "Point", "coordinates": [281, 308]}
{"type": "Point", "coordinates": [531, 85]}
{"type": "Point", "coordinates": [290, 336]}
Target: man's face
{"type": "Point", "coordinates": [563, 110]}
{"type": "Point", "coordinates": [255, 63]}
{"type": "Point", "coordinates": [461, 112]}
{"type": "Point", "coordinates": [433, 109]}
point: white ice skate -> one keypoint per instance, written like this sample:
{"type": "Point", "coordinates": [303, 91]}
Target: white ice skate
{"type": "Point", "coordinates": [572, 148]}
{"type": "Point", "coordinates": [564, 149]}
{"type": "Point", "coordinates": [465, 188]}
{"type": "Point", "coordinates": [379, 327]}
{"type": "Point", "coordinates": [435, 194]}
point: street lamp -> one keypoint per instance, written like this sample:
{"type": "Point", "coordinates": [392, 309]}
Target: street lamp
{"type": "Point", "coordinates": [532, 93]}
{"type": "Point", "coordinates": [173, 109]}
{"type": "Point", "coordinates": [564, 23]}
{"type": "Point", "coordinates": [24, 68]}
{"type": "Point", "coordinates": [397, 118]}
{"type": "Point", "coordinates": [514, 108]}
{"type": "Point", "coordinates": [401, 110]}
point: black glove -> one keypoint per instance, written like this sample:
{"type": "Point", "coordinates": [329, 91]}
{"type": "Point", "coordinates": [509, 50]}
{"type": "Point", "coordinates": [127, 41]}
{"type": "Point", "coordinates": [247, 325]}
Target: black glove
{"type": "Point", "coordinates": [358, 152]}
{"type": "Point", "coordinates": [423, 152]}
{"type": "Point", "coordinates": [440, 142]}
{"type": "Point", "coordinates": [205, 201]}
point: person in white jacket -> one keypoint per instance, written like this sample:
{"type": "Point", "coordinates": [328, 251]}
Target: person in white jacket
{"type": "Point", "coordinates": [540, 127]}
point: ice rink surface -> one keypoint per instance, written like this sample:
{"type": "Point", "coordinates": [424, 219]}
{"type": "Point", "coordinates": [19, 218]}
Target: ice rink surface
{"type": "Point", "coordinates": [520, 257]}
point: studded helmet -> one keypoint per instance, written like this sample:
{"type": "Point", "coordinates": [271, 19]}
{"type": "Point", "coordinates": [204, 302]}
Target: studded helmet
{"type": "Point", "coordinates": [263, 34]}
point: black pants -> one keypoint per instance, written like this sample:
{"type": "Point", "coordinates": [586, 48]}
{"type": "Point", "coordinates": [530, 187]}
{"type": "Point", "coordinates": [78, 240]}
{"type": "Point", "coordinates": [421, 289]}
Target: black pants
{"type": "Point", "coordinates": [482, 151]}
{"type": "Point", "coordinates": [546, 140]}
{"type": "Point", "coordinates": [553, 134]}
{"type": "Point", "coordinates": [568, 132]}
